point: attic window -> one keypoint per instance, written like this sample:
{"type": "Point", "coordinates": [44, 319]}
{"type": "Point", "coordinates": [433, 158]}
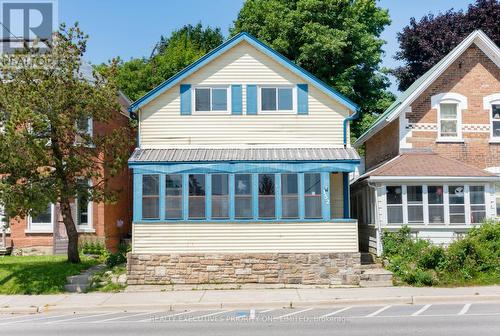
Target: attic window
{"type": "Point", "coordinates": [276, 99]}
{"type": "Point", "coordinates": [211, 99]}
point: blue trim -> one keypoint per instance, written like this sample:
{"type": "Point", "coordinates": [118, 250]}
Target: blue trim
{"type": "Point", "coordinates": [192, 221]}
{"type": "Point", "coordinates": [137, 206]}
{"type": "Point", "coordinates": [236, 100]}
{"type": "Point", "coordinates": [228, 45]}
{"type": "Point", "coordinates": [185, 92]}
{"type": "Point", "coordinates": [231, 196]}
{"type": "Point", "coordinates": [345, 187]}
{"type": "Point", "coordinates": [240, 167]}
{"type": "Point", "coordinates": [302, 206]}
{"type": "Point", "coordinates": [251, 99]}
{"type": "Point", "coordinates": [185, 197]}
{"type": "Point", "coordinates": [255, 196]}
{"type": "Point", "coordinates": [325, 199]}
{"type": "Point", "coordinates": [302, 99]}
{"type": "Point", "coordinates": [162, 196]}
{"type": "Point", "coordinates": [208, 196]}
{"type": "Point", "coordinates": [277, 196]}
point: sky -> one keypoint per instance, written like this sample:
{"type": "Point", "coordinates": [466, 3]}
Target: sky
{"type": "Point", "coordinates": [130, 28]}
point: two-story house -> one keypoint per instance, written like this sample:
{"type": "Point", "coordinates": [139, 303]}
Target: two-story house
{"type": "Point", "coordinates": [103, 222]}
{"type": "Point", "coordinates": [433, 156]}
{"type": "Point", "coordinates": [241, 175]}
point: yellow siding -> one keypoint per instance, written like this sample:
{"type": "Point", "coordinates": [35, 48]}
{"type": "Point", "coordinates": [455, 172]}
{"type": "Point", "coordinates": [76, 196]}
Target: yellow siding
{"type": "Point", "coordinates": [245, 237]}
{"type": "Point", "coordinates": [337, 195]}
{"type": "Point", "coordinates": [162, 124]}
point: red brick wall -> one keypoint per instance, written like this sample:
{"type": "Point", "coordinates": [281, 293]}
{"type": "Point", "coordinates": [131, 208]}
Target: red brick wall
{"type": "Point", "coordinates": [382, 146]}
{"type": "Point", "coordinates": [475, 76]}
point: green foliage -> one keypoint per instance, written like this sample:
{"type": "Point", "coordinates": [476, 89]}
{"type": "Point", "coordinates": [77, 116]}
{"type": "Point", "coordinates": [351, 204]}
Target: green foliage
{"type": "Point", "coordinates": [119, 257]}
{"type": "Point", "coordinates": [184, 46]}
{"type": "Point", "coordinates": [94, 247]}
{"type": "Point", "coordinates": [337, 41]}
{"type": "Point", "coordinates": [107, 280]}
{"type": "Point", "coordinates": [474, 259]}
{"type": "Point", "coordinates": [38, 275]}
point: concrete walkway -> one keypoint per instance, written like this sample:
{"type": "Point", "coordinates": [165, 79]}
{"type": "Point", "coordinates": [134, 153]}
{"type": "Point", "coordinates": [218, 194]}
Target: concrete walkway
{"type": "Point", "coordinates": [244, 298]}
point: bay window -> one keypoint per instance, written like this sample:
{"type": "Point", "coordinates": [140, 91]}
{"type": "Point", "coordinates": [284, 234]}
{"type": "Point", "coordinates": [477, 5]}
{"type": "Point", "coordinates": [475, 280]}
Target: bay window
{"type": "Point", "coordinates": [220, 196]}
{"type": "Point", "coordinates": [267, 197]}
{"type": "Point", "coordinates": [151, 196]}
{"type": "Point", "coordinates": [211, 99]}
{"type": "Point", "coordinates": [477, 204]}
{"type": "Point", "coordinates": [276, 99]}
{"type": "Point", "coordinates": [312, 195]}
{"type": "Point", "coordinates": [196, 196]}
{"type": "Point", "coordinates": [415, 204]}
{"type": "Point", "coordinates": [289, 196]}
{"type": "Point", "coordinates": [394, 196]}
{"type": "Point", "coordinates": [173, 196]}
{"type": "Point", "coordinates": [243, 196]}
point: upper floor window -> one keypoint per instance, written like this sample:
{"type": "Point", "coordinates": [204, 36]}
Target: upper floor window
{"type": "Point", "coordinates": [495, 120]}
{"type": "Point", "coordinates": [449, 108]}
{"type": "Point", "coordinates": [211, 99]}
{"type": "Point", "coordinates": [276, 99]}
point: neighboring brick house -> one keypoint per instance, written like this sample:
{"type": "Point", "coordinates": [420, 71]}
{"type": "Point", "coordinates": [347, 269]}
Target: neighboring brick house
{"type": "Point", "coordinates": [106, 223]}
{"type": "Point", "coordinates": [450, 117]}
{"type": "Point", "coordinates": [241, 175]}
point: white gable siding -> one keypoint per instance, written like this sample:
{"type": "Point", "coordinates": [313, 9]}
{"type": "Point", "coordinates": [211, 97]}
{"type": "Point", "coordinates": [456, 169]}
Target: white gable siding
{"type": "Point", "coordinates": [162, 125]}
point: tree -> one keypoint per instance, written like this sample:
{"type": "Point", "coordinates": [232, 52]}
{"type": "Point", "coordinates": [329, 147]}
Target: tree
{"type": "Point", "coordinates": [46, 152]}
{"type": "Point", "coordinates": [336, 40]}
{"type": "Point", "coordinates": [425, 42]}
{"type": "Point", "coordinates": [170, 55]}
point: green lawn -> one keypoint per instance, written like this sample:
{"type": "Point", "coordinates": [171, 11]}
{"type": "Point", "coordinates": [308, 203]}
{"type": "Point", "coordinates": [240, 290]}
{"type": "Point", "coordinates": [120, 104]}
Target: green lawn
{"type": "Point", "coordinates": [37, 275]}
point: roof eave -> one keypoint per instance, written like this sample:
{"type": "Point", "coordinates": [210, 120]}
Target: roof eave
{"type": "Point", "coordinates": [433, 178]}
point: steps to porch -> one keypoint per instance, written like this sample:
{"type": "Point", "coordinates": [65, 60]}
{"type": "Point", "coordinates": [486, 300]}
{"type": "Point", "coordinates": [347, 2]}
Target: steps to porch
{"type": "Point", "coordinates": [373, 273]}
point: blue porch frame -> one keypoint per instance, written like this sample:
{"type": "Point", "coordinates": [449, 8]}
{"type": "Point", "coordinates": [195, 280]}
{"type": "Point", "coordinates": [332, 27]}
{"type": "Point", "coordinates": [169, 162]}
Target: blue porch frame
{"type": "Point", "coordinates": [300, 168]}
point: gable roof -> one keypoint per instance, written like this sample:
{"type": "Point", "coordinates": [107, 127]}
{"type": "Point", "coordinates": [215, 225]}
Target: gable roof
{"type": "Point", "coordinates": [477, 37]}
{"type": "Point", "coordinates": [229, 44]}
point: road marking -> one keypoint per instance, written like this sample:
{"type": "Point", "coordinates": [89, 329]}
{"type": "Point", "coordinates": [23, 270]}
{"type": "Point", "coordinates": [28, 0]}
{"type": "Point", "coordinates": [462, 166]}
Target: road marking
{"type": "Point", "coordinates": [375, 313]}
{"type": "Point", "coordinates": [127, 316]}
{"type": "Point", "coordinates": [291, 314]}
{"type": "Point", "coordinates": [151, 319]}
{"type": "Point", "coordinates": [334, 313]}
{"type": "Point", "coordinates": [81, 317]}
{"type": "Point", "coordinates": [465, 309]}
{"type": "Point", "coordinates": [421, 310]}
{"type": "Point", "coordinates": [207, 315]}
{"type": "Point", "coordinates": [35, 318]}
{"type": "Point", "coordinates": [267, 311]}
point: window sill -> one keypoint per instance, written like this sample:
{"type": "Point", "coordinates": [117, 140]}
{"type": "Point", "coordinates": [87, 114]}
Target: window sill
{"type": "Point", "coordinates": [46, 231]}
{"type": "Point", "coordinates": [444, 140]}
{"type": "Point", "coordinates": [494, 141]}
{"type": "Point", "coordinates": [277, 113]}
{"type": "Point", "coordinates": [211, 113]}
{"type": "Point", "coordinates": [85, 230]}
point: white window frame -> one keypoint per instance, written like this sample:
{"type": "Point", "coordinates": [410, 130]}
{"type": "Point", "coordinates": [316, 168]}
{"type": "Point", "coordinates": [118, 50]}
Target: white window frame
{"type": "Point", "coordinates": [90, 130]}
{"type": "Point", "coordinates": [488, 102]}
{"type": "Point", "coordinates": [42, 227]}
{"type": "Point", "coordinates": [449, 98]}
{"type": "Point", "coordinates": [294, 99]}
{"type": "Point", "coordinates": [211, 112]}
{"type": "Point", "coordinates": [88, 227]}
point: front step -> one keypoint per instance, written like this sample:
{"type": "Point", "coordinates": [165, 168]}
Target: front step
{"type": "Point", "coordinates": [76, 288]}
{"type": "Point", "coordinates": [375, 277]}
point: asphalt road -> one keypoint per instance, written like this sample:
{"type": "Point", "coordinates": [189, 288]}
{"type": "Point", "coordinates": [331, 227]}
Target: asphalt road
{"type": "Point", "coordinates": [437, 319]}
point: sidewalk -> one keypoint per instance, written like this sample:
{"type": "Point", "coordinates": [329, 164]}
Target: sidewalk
{"type": "Point", "coordinates": [244, 298]}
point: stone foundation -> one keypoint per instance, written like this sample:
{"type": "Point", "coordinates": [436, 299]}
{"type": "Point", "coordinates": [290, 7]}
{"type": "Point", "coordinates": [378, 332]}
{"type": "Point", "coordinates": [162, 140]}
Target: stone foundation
{"type": "Point", "coordinates": [33, 251]}
{"type": "Point", "coordinates": [260, 268]}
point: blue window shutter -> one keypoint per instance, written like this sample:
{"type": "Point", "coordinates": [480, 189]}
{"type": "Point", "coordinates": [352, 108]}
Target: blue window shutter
{"type": "Point", "coordinates": [236, 101]}
{"type": "Point", "coordinates": [251, 99]}
{"type": "Point", "coordinates": [302, 99]}
{"type": "Point", "coordinates": [185, 99]}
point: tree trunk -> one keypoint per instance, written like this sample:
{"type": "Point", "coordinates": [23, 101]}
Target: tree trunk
{"type": "Point", "coordinates": [69, 223]}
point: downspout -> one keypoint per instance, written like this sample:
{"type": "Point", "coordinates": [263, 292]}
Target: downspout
{"type": "Point", "coordinates": [352, 117]}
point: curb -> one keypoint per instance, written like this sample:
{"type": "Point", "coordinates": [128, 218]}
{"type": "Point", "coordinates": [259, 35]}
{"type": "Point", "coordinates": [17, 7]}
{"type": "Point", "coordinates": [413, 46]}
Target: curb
{"type": "Point", "coordinates": [402, 300]}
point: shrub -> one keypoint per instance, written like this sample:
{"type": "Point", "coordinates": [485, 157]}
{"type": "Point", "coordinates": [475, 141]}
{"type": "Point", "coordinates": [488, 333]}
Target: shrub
{"type": "Point", "coordinates": [92, 246]}
{"type": "Point", "coordinates": [119, 257]}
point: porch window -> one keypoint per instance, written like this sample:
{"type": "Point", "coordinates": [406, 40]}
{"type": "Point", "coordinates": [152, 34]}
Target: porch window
{"type": "Point", "coordinates": [243, 196]}
{"type": "Point", "coordinates": [196, 196]}
{"type": "Point", "coordinates": [173, 196]}
{"type": "Point", "coordinates": [312, 195]}
{"type": "Point", "coordinates": [151, 196]}
{"type": "Point", "coordinates": [477, 204]}
{"type": "Point", "coordinates": [220, 196]}
{"type": "Point", "coordinates": [267, 197]}
{"type": "Point", "coordinates": [211, 99]}
{"type": "Point", "coordinates": [448, 121]}
{"type": "Point", "coordinates": [457, 204]}
{"type": "Point", "coordinates": [289, 196]}
{"type": "Point", "coordinates": [415, 204]}
{"type": "Point", "coordinates": [436, 204]}
{"type": "Point", "coordinates": [276, 99]}
{"type": "Point", "coordinates": [394, 204]}
{"type": "Point", "coordinates": [497, 198]}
